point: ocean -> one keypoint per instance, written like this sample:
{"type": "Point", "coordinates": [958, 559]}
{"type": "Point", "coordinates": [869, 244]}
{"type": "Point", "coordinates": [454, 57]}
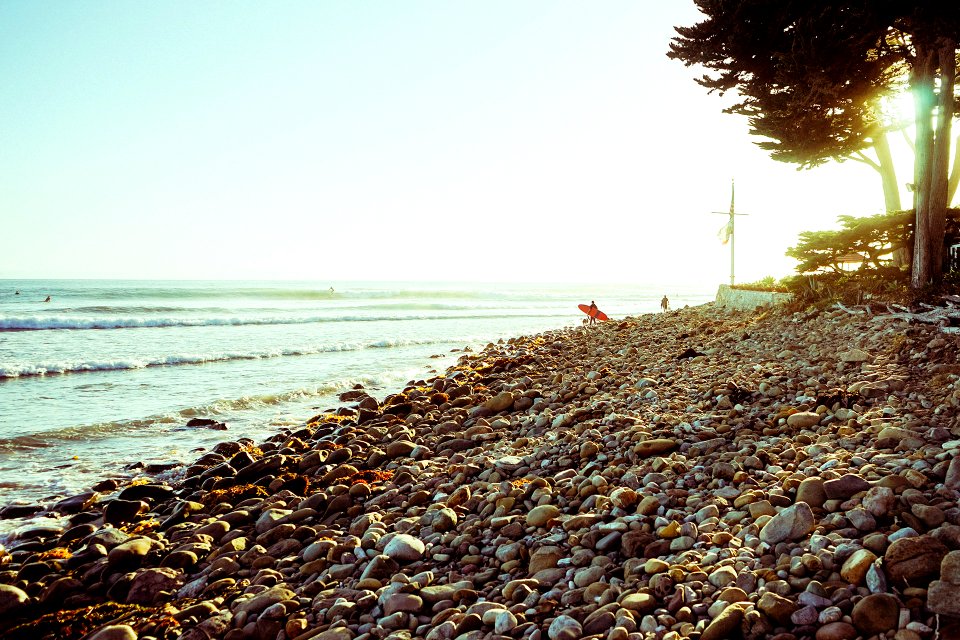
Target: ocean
{"type": "Point", "coordinates": [101, 381]}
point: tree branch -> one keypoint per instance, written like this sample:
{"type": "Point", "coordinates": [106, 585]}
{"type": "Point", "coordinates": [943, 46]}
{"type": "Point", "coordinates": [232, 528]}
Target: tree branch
{"type": "Point", "coordinates": [909, 140]}
{"type": "Point", "coordinates": [860, 157]}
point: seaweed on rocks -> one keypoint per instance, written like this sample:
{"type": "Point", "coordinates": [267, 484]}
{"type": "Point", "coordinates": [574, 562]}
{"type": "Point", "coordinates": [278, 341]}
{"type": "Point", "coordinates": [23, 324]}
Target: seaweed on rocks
{"type": "Point", "coordinates": [74, 624]}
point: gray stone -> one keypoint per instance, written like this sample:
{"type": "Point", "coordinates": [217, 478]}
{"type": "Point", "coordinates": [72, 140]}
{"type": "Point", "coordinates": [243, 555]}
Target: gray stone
{"type": "Point", "coordinates": [879, 501]}
{"type": "Point", "coordinates": [564, 628]}
{"type": "Point", "coordinates": [942, 598]}
{"type": "Point", "coordinates": [404, 548]}
{"type": "Point", "coordinates": [950, 568]}
{"type": "Point", "coordinates": [791, 523]}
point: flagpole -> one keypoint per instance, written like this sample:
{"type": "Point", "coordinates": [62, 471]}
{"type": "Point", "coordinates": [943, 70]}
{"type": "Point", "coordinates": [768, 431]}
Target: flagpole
{"type": "Point", "coordinates": [729, 230]}
{"type": "Point", "coordinates": [733, 236]}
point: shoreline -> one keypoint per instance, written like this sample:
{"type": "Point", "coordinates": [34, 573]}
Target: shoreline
{"type": "Point", "coordinates": [695, 473]}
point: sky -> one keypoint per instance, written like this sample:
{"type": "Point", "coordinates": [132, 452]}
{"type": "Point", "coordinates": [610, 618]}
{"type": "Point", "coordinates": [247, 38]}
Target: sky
{"type": "Point", "coordinates": [485, 140]}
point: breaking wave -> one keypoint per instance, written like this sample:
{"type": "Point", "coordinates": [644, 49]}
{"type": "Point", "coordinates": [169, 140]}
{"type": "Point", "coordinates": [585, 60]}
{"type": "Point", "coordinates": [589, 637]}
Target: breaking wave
{"type": "Point", "coordinates": [61, 368]}
{"type": "Point", "coordinates": [59, 323]}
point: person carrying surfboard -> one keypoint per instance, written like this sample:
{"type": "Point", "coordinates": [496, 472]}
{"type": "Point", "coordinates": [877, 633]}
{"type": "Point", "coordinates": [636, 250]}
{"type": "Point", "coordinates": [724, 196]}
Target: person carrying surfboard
{"type": "Point", "coordinates": [595, 315]}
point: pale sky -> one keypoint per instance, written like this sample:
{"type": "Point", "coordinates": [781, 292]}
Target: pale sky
{"type": "Point", "coordinates": [384, 140]}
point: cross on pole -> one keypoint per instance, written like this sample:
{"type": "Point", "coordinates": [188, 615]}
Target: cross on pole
{"type": "Point", "coordinates": [728, 230]}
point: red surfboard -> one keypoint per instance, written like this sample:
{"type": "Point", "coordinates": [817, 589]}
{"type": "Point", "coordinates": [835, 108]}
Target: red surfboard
{"type": "Point", "coordinates": [593, 313]}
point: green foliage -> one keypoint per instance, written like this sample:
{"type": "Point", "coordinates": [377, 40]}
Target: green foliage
{"type": "Point", "coordinates": [823, 289]}
{"type": "Point", "coordinates": [879, 276]}
{"type": "Point", "coordinates": [874, 238]}
{"type": "Point", "coordinates": [769, 283]}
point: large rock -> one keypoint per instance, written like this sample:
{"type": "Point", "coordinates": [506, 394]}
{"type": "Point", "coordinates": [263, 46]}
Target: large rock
{"type": "Point", "coordinates": [337, 633]}
{"type": "Point", "coordinates": [77, 503]}
{"type": "Point", "coordinates": [11, 511]}
{"type": "Point", "coordinates": [803, 419]}
{"type": "Point", "coordinates": [846, 486]}
{"type": "Point", "coordinates": [11, 599]}
{"type": "Point", "coordinates": [952, 481]}
{"type": "Point", "coordinates": [544, 558]}
{"type": "Point", "coordinates": [811, 491]}
{"type": "Point", "coordinates": [950, 568]}
{"type": "Point", "coordinates": [724, 625]}
{"type": "Point", "coordinates": [499, 402]}
{"type": "Point", "coordinates": [855, 568]}
{"type": "Point", "coordinates": [654, 447]}
{"type": "Point", "coordinates": [776, 607]}
{"type": "Point", "coordinates": [404, 548]}
{"type": "Point", "coordinates": [264, 599]}
{"type": "Point", "coordinates": [854, 356]}
{"type": "Point", "coordinates": [121, 511]}
{"type": "Point", "coordinates": [541, 515]}
{"type": "Point", "coordinates": [792, 523]}
{"type": "Point", "coordinates": [564, 628]}
{"type": "Point", "coordinates": [879, 501]}
{"type": "Point", "coordinates": [114, 632]}
{"type": "Point", "coordinates": [408, 602]}
{"type": "Point", "coordinates": [639, 603]}
{"type": "Point", "coordinates": [876, 613]}
{"type": "Point", "coordinates": [151, 585]}
{"type": "Point", "coordinates": [943, 598]}
{"type": "Point", "coordinates": [837, 631]}
{"type": "Point", "coordinates": [914, 560]}
{"type": "Point", "coordinates": [129, 553]}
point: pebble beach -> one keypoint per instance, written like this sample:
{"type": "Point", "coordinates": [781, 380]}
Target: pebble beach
{"type": "Point", "coordinates": [701, 473]}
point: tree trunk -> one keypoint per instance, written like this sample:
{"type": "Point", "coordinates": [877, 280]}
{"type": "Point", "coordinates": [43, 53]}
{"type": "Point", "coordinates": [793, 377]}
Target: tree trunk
{"type": "Point", "coordinates": [940, 166]}
{"type": "Point", "coordinates": [921, 83]}
{"type": "Point", "coordinates": [888, 173]}
{"type": "Point", "coordinates": [891, 190]}
{"type": "Point", "coordinates": [955, 173]}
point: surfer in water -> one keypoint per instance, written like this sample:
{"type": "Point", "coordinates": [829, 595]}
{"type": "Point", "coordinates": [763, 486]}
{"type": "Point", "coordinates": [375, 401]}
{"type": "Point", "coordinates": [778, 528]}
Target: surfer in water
{"type": "Point", "coordinates": [48, 299]}
{"type": "Point", "coordinates": [665, 303]}
{"type": "Point", "coordinates": [593, 312]}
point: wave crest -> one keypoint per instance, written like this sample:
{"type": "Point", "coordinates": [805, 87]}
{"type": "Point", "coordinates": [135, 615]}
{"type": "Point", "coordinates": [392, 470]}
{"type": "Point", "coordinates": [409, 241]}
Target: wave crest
{"type": "Point", "coordinates": [61, 368]}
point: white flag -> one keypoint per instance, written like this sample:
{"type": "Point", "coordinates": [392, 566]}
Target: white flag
{"type": "Point", "coordinates": [725, 232]}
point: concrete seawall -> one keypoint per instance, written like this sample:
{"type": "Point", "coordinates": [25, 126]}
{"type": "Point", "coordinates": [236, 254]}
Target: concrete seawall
{"type": "Point", "coordinates": [744, 299]}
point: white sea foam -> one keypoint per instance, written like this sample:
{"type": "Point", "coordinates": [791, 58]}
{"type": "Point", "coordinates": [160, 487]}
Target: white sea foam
{"type": "Point", "coordinates": [164, 423]}
{"type": "Point", "coordinates": [25, 370]}
{"type": "Point", "coordinates": [48, 323]}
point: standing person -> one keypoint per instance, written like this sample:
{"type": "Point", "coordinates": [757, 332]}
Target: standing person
{"type": "Point", "coordinates": [593, 312]}
{"type": "Point", "coordinates": [665, 303]}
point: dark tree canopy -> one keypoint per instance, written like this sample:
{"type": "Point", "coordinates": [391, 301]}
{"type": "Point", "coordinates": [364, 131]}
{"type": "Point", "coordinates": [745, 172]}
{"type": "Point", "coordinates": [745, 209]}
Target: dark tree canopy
{"type": "Point", "coordinates": [875, 239]}
{"type": "Point", "coordinates": [800, 69]}
{"type": "Point", "coordinates": [810, 76]}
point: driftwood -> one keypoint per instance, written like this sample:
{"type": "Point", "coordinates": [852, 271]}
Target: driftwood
{"type": "Point", "coordinates": [947, 317]}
